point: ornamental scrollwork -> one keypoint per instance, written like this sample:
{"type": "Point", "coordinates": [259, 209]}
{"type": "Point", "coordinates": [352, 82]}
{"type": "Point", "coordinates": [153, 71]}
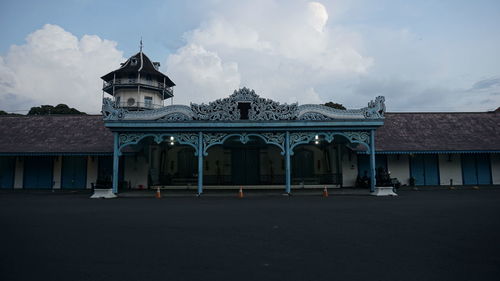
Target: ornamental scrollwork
{"type": "Point", "coordinates": [261, 109]}
{"type": "Point", "coordinates": [175, 117]}
{"type": "Point", "coordinates": [317, 112]}
{"type": "Point", "coordinates": [313, 116]}
{"type": "Point", "coordinates": [190, 139]}
{"type": "Point", "coordinates": [375, 109]}
{"type": "Point", "coordinates": [358, 137]}
{"type": "Point", "coordinates": [186, 138]}
{"type": "Point", "coordinates": [211, 139]}
{"type": "Point", "coordinates": [216, 111]}
{"type": "Point", "coordinates": [125, 139]}
{"type": "Point", "coordinates": [276, 138]}
{"type": "Point", "coordinates": [112, 112]}
{"type": "Point", "coordinates": [307, 137]}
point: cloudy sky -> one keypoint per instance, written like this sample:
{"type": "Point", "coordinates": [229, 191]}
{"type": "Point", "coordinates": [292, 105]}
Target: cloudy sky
{"type": "Point", "coordinates": [421, 55]}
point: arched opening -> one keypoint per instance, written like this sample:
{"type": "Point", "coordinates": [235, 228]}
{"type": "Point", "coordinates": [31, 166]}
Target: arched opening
{"type": "Point", "coordinates": [325, 160]}
{"type": "Point", "coordinates": [152, 162]}
{"type": "Point", "coordinates": [252, 163]}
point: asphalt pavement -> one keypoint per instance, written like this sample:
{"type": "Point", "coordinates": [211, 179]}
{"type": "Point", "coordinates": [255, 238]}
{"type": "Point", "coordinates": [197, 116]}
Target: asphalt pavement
{"type": "Point", "coordinates": [419, 235]}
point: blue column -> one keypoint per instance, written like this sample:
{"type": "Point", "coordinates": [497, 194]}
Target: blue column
{"type": "Point", "coordinates": [287, 164]}
{"type": "Point", "coordinates": [200, 163]}
{"type": "Point", "coordinates": [373, 181]}
{"type": "Point", "coordinates": [116, 162]}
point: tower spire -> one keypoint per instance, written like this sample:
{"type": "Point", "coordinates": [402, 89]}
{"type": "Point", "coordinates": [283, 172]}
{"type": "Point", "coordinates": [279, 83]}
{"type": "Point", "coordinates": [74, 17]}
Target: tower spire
{"type": "Point", "coordinates": [140, 45]}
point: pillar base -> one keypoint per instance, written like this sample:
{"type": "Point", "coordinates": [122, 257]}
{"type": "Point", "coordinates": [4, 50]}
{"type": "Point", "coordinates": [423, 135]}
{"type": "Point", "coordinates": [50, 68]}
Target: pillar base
{"type": "Point", "coordinates": [384, 191]}
{"type": "Point", "coordinates": [105, 193]}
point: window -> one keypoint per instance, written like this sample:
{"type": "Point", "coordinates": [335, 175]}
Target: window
{"type": "Point", "coordinates": [244, 107]}
{"type": "Point", "coordinates": [133, 61]}
{"type": "Point", "coordinates": [131, 78]}
{"type": "Point", "coordinates": [148, 101]}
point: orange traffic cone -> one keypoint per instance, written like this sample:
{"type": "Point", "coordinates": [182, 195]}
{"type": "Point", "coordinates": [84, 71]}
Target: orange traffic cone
{"type": "Point", "coordinates": [325, 192]}
{"type": "Point", "coordinates": [158, 193]}
{"type": "Point", "coordinates": [240, 193]}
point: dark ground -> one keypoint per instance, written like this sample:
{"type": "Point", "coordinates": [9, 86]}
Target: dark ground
{"type": "Point", "coordinates": [420, 235]}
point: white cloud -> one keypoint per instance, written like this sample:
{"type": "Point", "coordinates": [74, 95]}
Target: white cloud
{"type": "Point", "coordinates": [200, 75]}
{"type": "Point", "coordinates": [318, 16]}
{"type": "Point", "coordinates": [281, 50]}
{"type": "Point", "coordinates": [53, 67]}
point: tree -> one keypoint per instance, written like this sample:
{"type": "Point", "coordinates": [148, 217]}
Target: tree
{"type": "Point", "coordinates": [335, 105]}
{"type": "Point", "coordinates": [8, 114]}
{"type": "Point", "coordinates": [49, 109]}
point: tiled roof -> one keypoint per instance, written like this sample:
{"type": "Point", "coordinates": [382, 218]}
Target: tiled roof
{"type": "Point", "coordinates": [54, 134]}
{"type": "Point", "coordinates": [146, 67]}
{"type": "Point", "coordinates": [439, 131]}
{"type": "Point", "coordinates": [401, 132]}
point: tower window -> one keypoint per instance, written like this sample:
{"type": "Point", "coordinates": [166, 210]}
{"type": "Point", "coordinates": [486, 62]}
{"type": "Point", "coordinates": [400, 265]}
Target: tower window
{"type": "Point", "coordinates": [133, 61]}
{"type": "Point", "coordinates": [148, 101]}
{"type": "Point", "coordinates": [131, 78]}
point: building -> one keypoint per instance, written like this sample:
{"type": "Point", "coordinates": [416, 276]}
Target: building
{"type": "Point", "coordinates": [241, 140]}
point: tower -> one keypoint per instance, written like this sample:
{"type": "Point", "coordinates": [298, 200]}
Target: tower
{"type": "Point", "coordinates": [138, 84]}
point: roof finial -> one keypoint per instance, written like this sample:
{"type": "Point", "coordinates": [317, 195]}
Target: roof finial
{"type": "Point", "coordinates": [140, 46]}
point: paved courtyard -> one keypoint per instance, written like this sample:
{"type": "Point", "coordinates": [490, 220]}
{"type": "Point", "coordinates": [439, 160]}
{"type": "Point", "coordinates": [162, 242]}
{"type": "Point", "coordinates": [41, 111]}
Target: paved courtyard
{"type": "Point", "coordinates": [420, 235]}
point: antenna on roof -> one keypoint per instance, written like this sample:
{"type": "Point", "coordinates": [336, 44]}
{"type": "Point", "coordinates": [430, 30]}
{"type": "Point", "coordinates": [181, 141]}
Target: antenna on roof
{"type": "Point", "coordinates": [140, 46]}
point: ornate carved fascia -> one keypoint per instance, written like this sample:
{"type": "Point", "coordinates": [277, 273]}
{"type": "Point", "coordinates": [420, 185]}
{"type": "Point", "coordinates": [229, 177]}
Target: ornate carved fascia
{"type": "Point", "coordinates": [315, 112]}
{"type": "Point", "coordinates": [261, 109]}
{"type": "Point", "coordinates": [357, 136]}
{"type": "Point", "coordinates": [211, 139]}
{"type": "Point", "coordinates": [191, 139]}
{"type": "Point", "coordinates": [171, 113]}
{"type": "Point", "coordinates": [299, 138]}
{"type": "Point", "coordinates": [110, 111]}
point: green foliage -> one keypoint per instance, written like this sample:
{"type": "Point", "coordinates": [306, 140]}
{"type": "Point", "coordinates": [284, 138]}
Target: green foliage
{"type": "Point", "coordinates": [335, 105]}
{"type": "Point", "coordinates": [3, 113]}
{"type": "Point", "coordinates": [49, 109]}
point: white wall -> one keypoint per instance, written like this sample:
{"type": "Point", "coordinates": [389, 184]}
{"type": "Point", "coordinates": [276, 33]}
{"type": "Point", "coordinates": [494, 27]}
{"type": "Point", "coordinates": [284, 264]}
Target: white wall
{"type": "Point", "coordinates": [125, 94]}
{"type": "Point", "coordinates": [349, 168]}
{"type": "Point", "coordinates": [91, 170]}
{"type": "Point", "coordinates": [450, 167]}
{"type": "Point", "coordinates": [57, 172]}
{"type": "Point", "coordinates": [19, 176]}
{"type": "Point", "coordinates": [399, 167]}
{"type": "Point", "coordinates": [495, 168]}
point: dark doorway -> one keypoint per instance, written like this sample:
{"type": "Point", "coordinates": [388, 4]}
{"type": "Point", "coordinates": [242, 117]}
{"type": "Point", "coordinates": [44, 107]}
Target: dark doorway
{"type": "Point", "coordinates": [303, 165]}
{"type": "Point", "coordinates": [187, 163]}
{"type": "Point", "coordinates": [7, 171]}
{"type": "Point", "coordinates": [38, 172]}
{"type": "Point", "coordinates": [476, 169]}
{"type": "Point", "coordinates": [245, 165]}
{"type": "Point", "coordinates": [424, 169]}
{"type": "Point", "coordinates": [74, 172]}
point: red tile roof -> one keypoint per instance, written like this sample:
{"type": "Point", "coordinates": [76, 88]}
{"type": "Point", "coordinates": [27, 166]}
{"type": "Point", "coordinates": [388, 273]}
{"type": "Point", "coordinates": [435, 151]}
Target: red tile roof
{"type": "Point", "coordinates": [401, 132]}
{"type": "Point", "coordinates": [54, 134]}
{"type": "Point", "coordinates": [439, 131]}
